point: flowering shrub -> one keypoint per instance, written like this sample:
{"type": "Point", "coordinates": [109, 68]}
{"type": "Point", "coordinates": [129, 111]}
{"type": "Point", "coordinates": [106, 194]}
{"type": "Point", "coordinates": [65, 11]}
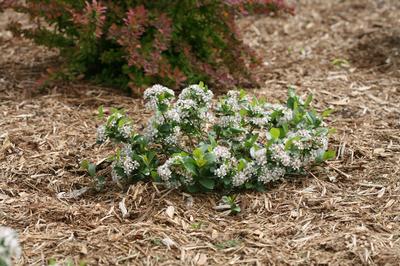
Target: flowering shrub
{"type": "Point", "coordinates": [201, 145]}
{"type": "Point", "coordinates": [136, 43]}
{"type": "Point", "coordinates": [9, 246]}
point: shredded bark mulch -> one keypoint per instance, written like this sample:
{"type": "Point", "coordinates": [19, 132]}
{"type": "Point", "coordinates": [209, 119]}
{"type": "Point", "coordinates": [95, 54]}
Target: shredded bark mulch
{"type": "Point", "coordinates": [345, 212]}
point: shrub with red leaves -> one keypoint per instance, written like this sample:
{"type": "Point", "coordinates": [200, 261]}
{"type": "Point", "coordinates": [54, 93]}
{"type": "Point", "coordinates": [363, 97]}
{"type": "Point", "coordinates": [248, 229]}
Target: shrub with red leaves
{"type": "Point", "coordinates": [134, 44]}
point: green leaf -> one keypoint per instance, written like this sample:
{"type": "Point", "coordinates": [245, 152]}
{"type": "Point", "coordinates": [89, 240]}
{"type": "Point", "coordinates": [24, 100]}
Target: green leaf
{"type": "Point", "coordinates": [201, 162]}
{"type": "Point", "coordinates": [243, 112]}
{"type": "Point", "coordinates": [51, 262]}
{"type": "Point", "coordinates": [92, 169]}
{"type": "Point", "coordinates": [242, 94]}
{"type": "Point", "coordinates": [275, 133]}
{"type": "Point", "coordinates": [193, 188]}
{"type": "Point", "coordinates": [236, 130]}
{"type": "Point", "coordinates": [283, 130]}
{"type": "Point", "coordinates": [248, 185]}
{"type": "Point", "coordinates": [196, 225]}
{"type": "Point", "coordinates": [250, 142]}
{"type": "Point", "coordinates": [85, 164]}
{"type": "Point", "coordinates": [212, 140]}
{"type": "Point", "coordinates": [210, 158]}
{"type": "Point", "coordinates": [207, 183]}
{"type": "Point", "coordinates": [241, 165]}
{"type": "Point", "coordinates": [101, 180]}
{"type": "Point", "coordinates": [101, 112]}
{"type": "Point", "coordinates": [227, 244]}
{"type": "Point", "coordinates": [154, 175]}
{"type": "Point", "coordinates": [198, 153]}
{"type": "Point", "coordinates": [327, 112]}
{"type": "Point", "coordinates": [311, 117]}
{"type": "Point", "coordinates": [235, 209]}
{"type": "Point", "coordinates": [308, 100]}
{"type": "Point", "coordinates": [290, 103]}
{"type": "Point", "coordinates": [190, 165]}
{"type": "Point", "coordinates": [330, 154]}
{"type": "Point", "coordinates": [162, 107]}
{"type": "Point", "coordinates": [289, 143]}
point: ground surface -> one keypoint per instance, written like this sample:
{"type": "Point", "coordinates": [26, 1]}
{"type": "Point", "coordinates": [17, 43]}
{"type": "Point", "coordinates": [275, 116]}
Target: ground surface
{"type": "Point", "coordinates": [346, 212]}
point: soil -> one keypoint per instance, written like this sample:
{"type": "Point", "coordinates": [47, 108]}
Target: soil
{"type": "Point", "coordinates": [345, 212]}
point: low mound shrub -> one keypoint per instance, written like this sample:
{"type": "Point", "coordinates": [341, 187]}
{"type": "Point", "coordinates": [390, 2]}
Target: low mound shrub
{"type": "Point", "coordinates": [198, 144]}
{"type": "Point", "coordinates": [137, 43]}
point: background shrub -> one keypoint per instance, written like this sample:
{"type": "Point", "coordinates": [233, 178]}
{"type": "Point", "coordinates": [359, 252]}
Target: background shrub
{"type": "Point", "coordinates": [129, 43]}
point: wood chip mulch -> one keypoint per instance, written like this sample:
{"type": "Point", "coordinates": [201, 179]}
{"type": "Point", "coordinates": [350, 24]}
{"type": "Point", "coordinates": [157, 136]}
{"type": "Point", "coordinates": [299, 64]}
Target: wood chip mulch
{"type": "Point", "coordinates": [345, 212]}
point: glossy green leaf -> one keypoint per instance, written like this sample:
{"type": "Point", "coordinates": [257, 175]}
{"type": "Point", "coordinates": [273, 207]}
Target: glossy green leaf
{"type": "Point", "coordinates": [275, 133]}
{"type": "Point", "coordinates": [92, 169]}
{"type": "Point", "coordinates": [330, 154]}
{"type": "Point", "coordinates": [207, 183]}
{"type": "Point", "coordinates": [308, 100]}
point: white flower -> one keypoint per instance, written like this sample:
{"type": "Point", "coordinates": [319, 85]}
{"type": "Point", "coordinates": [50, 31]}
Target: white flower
{"type": "Point", "coordinates": [114, 175]}
{"type": "Point", "coordinates": [101, 134]}
{"type": "Point", "coordinates": [126, 130]}
{"type": "Point", "coordinates": [207, 116]}
{"type": "Point", "coordinates": [322, 141]}
{"type": "Point", "coordinates": [9, 245]}
{"type": "Point", "coordinates": [173, 115]}
{"type": "Point", "coordinates": [241, 177]}
{"type": "Point", "coordinates": [222, 153]}
{"type": "Point", "coordinates": [279, 154]}
{"type": "Point", "coordinates": [259, 121]}
{"type": "Point", "coordinates": [151, 131]}
{"type": "Point", "coordinates": [185, 107]}
{"type": "Point", "coordinates": [230, 121]}
{"type": "Point", "coordinates": [151, 96]}
{"type": "Point", "coordinates": [259, 155]}
{"type": "Point", "coordinates": [232, 100]}
{"type": "Point", "coordinates": [269, 174]}
{"type": "Point", "coordinates": [130, 165]}
{"type": "Point", "coordinates": [287, 116]}
{"type": "Point", "coordinates": [202, 96]}
{"type": "Point", "coordinates": [127, 149]}
{"type": "Point", "coordinates": [221, 171]}
{"type": "Point", "coordinates": [164, 170]}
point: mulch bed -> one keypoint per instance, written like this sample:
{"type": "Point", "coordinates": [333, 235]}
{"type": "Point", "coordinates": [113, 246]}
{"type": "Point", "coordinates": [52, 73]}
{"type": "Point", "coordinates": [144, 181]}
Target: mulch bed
{"type": "Point", "coordinates": [345, 212]}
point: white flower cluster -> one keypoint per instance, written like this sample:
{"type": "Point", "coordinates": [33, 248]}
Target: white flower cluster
{"type": "Point", "coordinates": [193, 102]}
{"type": "Point", "coordinates": [101, 134]}
{"type": "Point", "coordinates": [166, 170]}
{"type": "Point", "coordinates": [9, 245]}
{"type": "Point", "coordinates": [222, 153]}
{"type": "Point", "coordinates": [114, 174]}
{"type": "Point", "coordinates": [223, 157]}
{"type": "Point", "coordinates": [130, 165]}
{"type": "Point", "coordinates": [124, 162]}
{"type": "Point", "coordinates": [286, 113]}
{"type": "Point", "coordinates": [191, 109]}
{"type": "Point", "coordinates": [260, 156]}
{"type": "Point", "coordinates": [115, 124]}
{"type": "Point", "coordinates": [154, 94]}
{"type": "Point", "coordinates": [270, 173]}
{"type": "Point", "coordinates": [258, 115]}
{"type": "Point", "coordinates": [232, 104]}
{"type": "Point", "coordinates": [242, 176]}
{"type": "Point", "coordinates": [126, 130]}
